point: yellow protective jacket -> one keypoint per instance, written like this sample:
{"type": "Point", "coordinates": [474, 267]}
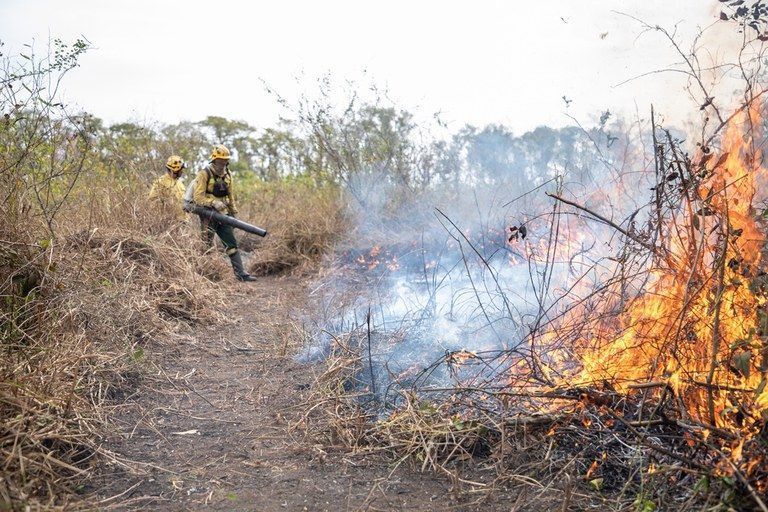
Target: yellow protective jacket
{"type": "Point", "coordinates": [169, 193]}
{"type": "Point", "coordinates": [205, 181]}
{"type": "Point", "coordinates": [167, 189]}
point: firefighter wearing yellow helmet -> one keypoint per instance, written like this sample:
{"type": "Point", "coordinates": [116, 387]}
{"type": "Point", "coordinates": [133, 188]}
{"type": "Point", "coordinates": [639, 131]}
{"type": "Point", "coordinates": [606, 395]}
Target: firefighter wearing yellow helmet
{"type": "Point", "coordinates": [213, 189]}
{"type": "Point", "coordinates": [168, 189]}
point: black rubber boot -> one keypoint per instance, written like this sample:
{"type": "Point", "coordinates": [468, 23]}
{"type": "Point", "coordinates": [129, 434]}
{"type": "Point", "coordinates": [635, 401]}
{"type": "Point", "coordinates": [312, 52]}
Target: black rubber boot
{"type": "Point", "coordinates": [237, 266]}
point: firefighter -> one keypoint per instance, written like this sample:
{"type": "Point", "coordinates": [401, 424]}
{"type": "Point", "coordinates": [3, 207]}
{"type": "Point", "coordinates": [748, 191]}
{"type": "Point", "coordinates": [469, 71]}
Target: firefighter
{"type": "Point", "coordinates": [168, 189]}
{"type": "Point", "coordinates": [213, 189]}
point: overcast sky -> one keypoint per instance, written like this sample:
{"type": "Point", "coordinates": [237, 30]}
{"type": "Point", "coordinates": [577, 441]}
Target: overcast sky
{"type": "Point", "coordinates": [477, 62]}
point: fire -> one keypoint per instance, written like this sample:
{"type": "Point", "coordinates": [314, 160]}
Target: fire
{"type": "Point", "coordinates": [695, 326]}
{"type": "Point", "coordinates": [460, 357]}
{"type": "Point", "coordinates": [393, 265]}
{"type": "Point", "coordinates": [378, 258]}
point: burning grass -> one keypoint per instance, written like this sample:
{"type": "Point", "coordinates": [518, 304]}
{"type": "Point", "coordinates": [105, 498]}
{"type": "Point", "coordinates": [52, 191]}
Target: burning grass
{"type": "Point", "coordinates": [560, 449]}
{"type": "Point", "coordinates": [649, 391]}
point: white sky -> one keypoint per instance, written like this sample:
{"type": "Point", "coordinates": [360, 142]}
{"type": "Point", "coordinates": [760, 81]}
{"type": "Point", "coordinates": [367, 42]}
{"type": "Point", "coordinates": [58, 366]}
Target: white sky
{"type": "Point", "coordinates": [476, 62]}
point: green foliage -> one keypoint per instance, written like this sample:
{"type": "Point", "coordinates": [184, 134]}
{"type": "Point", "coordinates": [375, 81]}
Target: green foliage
{"type": "Point", "coordinates": [752, 14]}
{"type": "Point", "coordinates": [365, 141]}
{"type": "Point", "coordinates": [644, 505]}
{"type": "Point", "coordinates": [137, 355]}
{"type": "Point", "coordinates": [236, 135]}
{"type": "Point", "coordinates": [280, 152]}
{"type": "Point", "coordinates": [702, 485]}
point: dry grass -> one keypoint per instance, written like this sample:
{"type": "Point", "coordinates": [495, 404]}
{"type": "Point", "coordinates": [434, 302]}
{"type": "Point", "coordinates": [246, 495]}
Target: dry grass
{"type": "Point", "coordinates": [424, 435]}
{"type": "Point", "coordinates": [85, 308]}
{"type": "Point", "coordinates": [304, 222]}
{"type": "Point", "coordinates": [81, 310]}
{"type": "Point", "coordinates": [566, 449]}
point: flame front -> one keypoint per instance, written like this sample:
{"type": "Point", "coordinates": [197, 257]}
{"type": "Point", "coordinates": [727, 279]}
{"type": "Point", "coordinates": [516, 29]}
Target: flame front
{"type": "Point", "coordinates": [695, 325]}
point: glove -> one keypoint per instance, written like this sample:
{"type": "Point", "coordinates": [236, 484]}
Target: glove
{"type": "Point", "coordinates": [218, 204]}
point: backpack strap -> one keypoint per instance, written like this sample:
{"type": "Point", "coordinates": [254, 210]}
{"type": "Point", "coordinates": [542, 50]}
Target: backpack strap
{"type": "Point", "coordinates": [209, 174]}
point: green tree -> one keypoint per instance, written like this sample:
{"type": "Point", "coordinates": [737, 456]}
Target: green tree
{"type": "Point", "coordinates": [236, 135]}
{"type": "Point", "coordinates": [43, 147]}
{"type": "Point", "coordinates": [280, 152]}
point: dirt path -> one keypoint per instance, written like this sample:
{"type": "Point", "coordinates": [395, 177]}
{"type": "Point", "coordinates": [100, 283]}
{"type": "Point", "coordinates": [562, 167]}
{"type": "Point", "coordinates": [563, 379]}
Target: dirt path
{"type": "Point", "coordinates": [212, 429]}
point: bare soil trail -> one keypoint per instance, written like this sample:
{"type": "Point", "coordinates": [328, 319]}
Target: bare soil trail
{"type": "Point", "coordinates": [211, 428]}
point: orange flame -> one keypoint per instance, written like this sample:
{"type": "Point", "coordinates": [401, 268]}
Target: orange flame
{"type": "Point", "coordinates": [695, 326]}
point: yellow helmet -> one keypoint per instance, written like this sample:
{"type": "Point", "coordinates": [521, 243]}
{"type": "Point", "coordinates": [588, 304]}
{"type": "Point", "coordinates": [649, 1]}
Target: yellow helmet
{"type": "Point", "coordinates": [219, 151]}
{"type": "Point", "coordinates": [175, 163]}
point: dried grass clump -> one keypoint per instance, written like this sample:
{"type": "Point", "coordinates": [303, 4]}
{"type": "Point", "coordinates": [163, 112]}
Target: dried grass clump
{"type": "Point", "coordinates": [342, 410]}
{"type": "Point", "coordinates": [79, 312]}
{"type": "Point", "coordinates": [304, 221]}
{"type": "Point", "coordinates": [335, 414]}
{"type": "Point", "coordinates": [563, 449]}
{"type": "Point", "coordinates": [213, 267]}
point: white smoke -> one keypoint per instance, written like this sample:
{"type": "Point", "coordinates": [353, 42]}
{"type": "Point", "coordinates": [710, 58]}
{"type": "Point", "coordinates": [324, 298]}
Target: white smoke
{"type": "Point", "coordinates": [443, 276]}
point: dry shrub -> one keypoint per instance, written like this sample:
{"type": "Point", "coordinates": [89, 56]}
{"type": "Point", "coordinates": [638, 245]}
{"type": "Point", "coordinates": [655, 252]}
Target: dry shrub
{"type": "Point", "coordinates": [304, 221]}
{"type": "Point", "coordinates": [438, 435]}
{"type": "Point", "coordinates": [79, 311]}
